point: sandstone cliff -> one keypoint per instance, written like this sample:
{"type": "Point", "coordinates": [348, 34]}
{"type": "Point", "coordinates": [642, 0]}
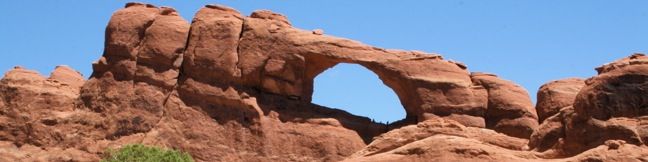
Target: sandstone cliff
{"type": "Point", "coordinates": [229, 87]}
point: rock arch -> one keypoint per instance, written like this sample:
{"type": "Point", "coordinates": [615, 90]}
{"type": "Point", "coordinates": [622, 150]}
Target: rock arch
{"type": "Point", "coordinates": [230, 60]}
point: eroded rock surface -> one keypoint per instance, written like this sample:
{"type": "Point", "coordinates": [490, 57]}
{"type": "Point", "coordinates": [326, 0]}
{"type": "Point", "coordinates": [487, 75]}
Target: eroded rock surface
{"type": "Point", "coordinates": [556, 95]}
{"type": "Point", "coordinates": [229, 87]}
{"type": "Point", "coordinates": [607, 107]}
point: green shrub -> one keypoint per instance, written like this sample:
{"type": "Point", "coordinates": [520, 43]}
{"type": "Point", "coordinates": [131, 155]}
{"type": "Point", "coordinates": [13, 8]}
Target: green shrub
{"type": "Point", "coordinates": [141, 153]}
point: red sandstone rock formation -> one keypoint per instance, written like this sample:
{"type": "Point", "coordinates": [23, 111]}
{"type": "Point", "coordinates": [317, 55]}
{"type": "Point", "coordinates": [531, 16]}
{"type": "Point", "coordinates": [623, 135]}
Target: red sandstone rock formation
{"type": "Point", "coordinates": [610, 106]}
{"type": "Point", "coordinates": [228, 87]}
{"type": "Point", "coordinates": [556, 95]}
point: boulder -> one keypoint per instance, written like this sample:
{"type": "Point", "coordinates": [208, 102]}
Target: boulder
{"type": "Point", "coordinates": [509, 110]}
{"type": "Point", "coordinates": [555, 95]}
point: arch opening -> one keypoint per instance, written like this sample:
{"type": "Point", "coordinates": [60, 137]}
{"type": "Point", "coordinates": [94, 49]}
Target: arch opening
{"type": "Point", "coordinates": [359, 91]}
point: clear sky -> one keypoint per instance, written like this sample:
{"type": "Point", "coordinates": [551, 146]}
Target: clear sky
{"type": "Point", "coordinates": [528, 42]}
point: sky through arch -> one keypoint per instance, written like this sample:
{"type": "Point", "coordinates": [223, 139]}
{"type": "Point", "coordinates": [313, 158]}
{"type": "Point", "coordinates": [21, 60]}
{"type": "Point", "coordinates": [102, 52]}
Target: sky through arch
{"type": "Point", "coordinates": [359, 91]}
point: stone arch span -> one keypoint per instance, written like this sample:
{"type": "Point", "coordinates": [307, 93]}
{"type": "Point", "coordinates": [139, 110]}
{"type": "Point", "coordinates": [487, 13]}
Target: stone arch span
{"type": "Point", "coordinates": [277, 58]}
{"type": "Point", "coordinates": [223, 62]}
{"type": "Point", "coordinates": [263, 51]}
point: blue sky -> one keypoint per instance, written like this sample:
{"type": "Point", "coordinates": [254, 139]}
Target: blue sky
{"type": "Point", "coordinates": [528, 42]}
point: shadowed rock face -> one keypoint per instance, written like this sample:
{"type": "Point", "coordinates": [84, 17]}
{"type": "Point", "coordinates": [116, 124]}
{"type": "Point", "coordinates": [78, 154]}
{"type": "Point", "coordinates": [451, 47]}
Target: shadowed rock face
{"type": "Point", "coordinates": [228, 87]}
{"type": "Point", "coordinates": [607, 107]}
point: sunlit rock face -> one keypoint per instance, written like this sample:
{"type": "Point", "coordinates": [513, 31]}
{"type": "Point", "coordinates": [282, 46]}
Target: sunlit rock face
{"type": "Point", "coordinates": [556, 95]}
{"type": "Point", "coordinates": [229, 87]}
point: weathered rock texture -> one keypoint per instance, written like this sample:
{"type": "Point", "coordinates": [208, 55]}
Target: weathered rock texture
{"type": "Point", "coordinates": [228, 87]}
{"type": "Point", "coordinates": [610, 106]}
{"type": "Point", "coordinates": [556, 95]}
